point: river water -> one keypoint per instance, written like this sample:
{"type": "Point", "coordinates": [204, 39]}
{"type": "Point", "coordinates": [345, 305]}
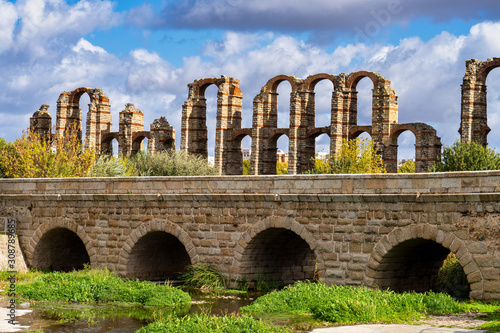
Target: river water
{"type": "Point", "coordinates": [100, 319]}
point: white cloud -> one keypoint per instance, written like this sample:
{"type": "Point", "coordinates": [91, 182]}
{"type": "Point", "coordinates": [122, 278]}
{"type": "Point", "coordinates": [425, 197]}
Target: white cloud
{"type": "Point", "coordinates": [426, 75]}
{"type": "Point", "coordinates": [8, 19]}
{"type": "Point", "coordinates": [49, 24]}
{"type": "Point", "coordinates": [84, 45]}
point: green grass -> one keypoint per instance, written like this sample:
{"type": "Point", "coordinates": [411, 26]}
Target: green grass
{"type": "Point", "coordinates": [347, 304]}
{"type": "Point", "coordinates": [493, 317]}
{"type": "Point", "coordinates": [204, 277]}
{"type": "Point", "coordinates": [207, 324]}
{"type": "Point", "coordinates": [99, 286]}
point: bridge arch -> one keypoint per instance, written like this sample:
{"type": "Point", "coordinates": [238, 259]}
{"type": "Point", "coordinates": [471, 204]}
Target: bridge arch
{"type": "Point", "coordinates": [172, 248]}
{"type": "Point", "coordinates": [61, 246]}
{"type": "Point", "coordinates": [278, 248]}
{"type": "Point", "coordinates": [409, 258]}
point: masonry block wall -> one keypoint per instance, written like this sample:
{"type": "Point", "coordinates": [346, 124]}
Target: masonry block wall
{"type": "Point", "coordinates": [474, 121]}
{"type": "Point", "coordinates": [98, 131]}
{"type": "Point", "coordinates": [389, 230]}
{"type": "Point", "coordinates": [301, 132]}
{"type": "Point", "coordinates": [41, 122]}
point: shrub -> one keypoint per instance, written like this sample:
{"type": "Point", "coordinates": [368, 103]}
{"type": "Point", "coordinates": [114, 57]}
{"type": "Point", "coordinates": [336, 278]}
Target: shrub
{"type": "Point", "coordinates": [204, 277]}
{"type": "Point", "coordinates": [202, 323]}
{"type": "Point", "coordinates": [407, 167]}
{"type": "Point", "coordinates": [110, 166]}
{"type": "Point", "coordinates": [467, 156]}
{"type": "Point", "coordinates": [3, 144]}
{"type": "Point", "coordinates": [355, 156]}
{"type": "Point", "coordinates": [452, 279]}
{"type": "Point", "coordinates": [246, 167]}
{"type": "Point", "coordinates": [32, 156]}
{"type": "Point", "coordinates": [281, 168]}
{"type": "Point", "coordinates": [171, 163]}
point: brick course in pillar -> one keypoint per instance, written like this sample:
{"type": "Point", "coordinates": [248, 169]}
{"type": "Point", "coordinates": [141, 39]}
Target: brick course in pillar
{"type": "Point", "coordinates": [345, 229]}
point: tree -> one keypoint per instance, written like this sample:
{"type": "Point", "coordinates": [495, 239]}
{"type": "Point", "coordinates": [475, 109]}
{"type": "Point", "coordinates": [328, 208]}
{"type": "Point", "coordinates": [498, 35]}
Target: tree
{"type": "Point", "coordinates": [355, 156]}
{"type": "Point", "coordinates": [34, 156]}
{"type": "Point", "coordinates": [246, 167]}
{"type": "Point", "coordinates": [467, 156]}
{"type": "Point", "coordinates": [3, 144]}
{"type": "Point", "coordinates": [407, 167]}
{"type": "Point", "coordinates": [281, 168]}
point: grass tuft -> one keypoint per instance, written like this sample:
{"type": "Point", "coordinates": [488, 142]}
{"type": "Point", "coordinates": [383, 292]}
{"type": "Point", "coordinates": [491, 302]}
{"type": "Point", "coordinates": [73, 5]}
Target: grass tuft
{"type": "Point", "coordinates": [347, 304]}
{"type": "Point", "coordinates": [203, 323]}
{"type": "Point", "coordinates": [204, 277]}
{"type": "Point", "coordinates": [99, 285]}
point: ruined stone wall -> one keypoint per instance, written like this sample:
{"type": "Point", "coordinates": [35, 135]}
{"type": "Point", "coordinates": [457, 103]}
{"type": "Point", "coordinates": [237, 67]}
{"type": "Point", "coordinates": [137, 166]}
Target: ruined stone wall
{"type": "Point", "coordinates": [474, 120]}
{"type": "Point", "coordinates": [301, 130]}
{"type": "Point", "coordinates": [344, 229]}
{"type": "Point", "coordinates": [98, 131]}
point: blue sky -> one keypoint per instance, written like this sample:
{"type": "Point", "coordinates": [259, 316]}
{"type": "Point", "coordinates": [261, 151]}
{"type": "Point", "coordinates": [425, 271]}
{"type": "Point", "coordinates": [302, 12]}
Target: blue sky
{"type": "Point", "coordinates": [147, 52]}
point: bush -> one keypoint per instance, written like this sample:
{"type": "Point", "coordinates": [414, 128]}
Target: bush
{"type": "Point", "coordinates": [110, 166]}
{"type": "Point", "coordinates": [281, 168]}
{"type": "Point", "coordinates": [467, 156]}
{"type": "Point", "coordinates": [407, 167]}
{"type": "Point", "coordinates": [206, 324]}
{"type": "Point", "coordinates": [3, 144]}
{"type": "Point", "coordinates": [100, 286]}
{"type": "Point", "coordinates": [347, 304]}
{"type": "Point", "coordinates": [355, 156]}
{"type": "Point", "coordinates": [32, 156]}
{"type": "Point", "coordinates": [246, 167]}
{"type": "Point", "coordinates": [204, 277]}
{"type": "Point", "coordinates": [170, 163]}
{"type": "Point", "coordinates": [452, 279]}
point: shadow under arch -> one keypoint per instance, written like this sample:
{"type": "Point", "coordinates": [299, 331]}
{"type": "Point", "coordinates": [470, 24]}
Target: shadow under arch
{"type": "Point", "coordinates": [282, 250]}
{"type": "Point", "coordinates": [409, 258]}
{"type": "Point", "coordinates": [157, 250]}
{"type": "Point", "coordinates": [60, 247]}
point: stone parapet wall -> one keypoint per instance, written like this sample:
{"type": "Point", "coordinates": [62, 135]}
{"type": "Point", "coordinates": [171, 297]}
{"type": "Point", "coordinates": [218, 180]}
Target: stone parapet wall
{"type": "Point", "coordinates": [417, 184]}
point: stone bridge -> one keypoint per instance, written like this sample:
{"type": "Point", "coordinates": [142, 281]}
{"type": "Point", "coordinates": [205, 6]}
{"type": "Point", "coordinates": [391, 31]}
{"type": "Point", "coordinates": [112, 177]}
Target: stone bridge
{"type": "Point", "coordinates": [385, 230]}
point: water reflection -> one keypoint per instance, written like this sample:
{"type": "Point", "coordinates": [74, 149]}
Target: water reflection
{"type": "Point", "coordinates": [62, 318]}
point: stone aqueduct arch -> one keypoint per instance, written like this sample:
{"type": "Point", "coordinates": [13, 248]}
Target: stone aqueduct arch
{"type": "Point", "coordinates": [98, 132]}
{"type": "Point", "coordinates": [474, 121]}
{"type": "Point", "coordinates": [301, 132]}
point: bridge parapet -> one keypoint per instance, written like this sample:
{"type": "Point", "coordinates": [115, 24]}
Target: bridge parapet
{"type": "Point", "coordinates": [421, 183]}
